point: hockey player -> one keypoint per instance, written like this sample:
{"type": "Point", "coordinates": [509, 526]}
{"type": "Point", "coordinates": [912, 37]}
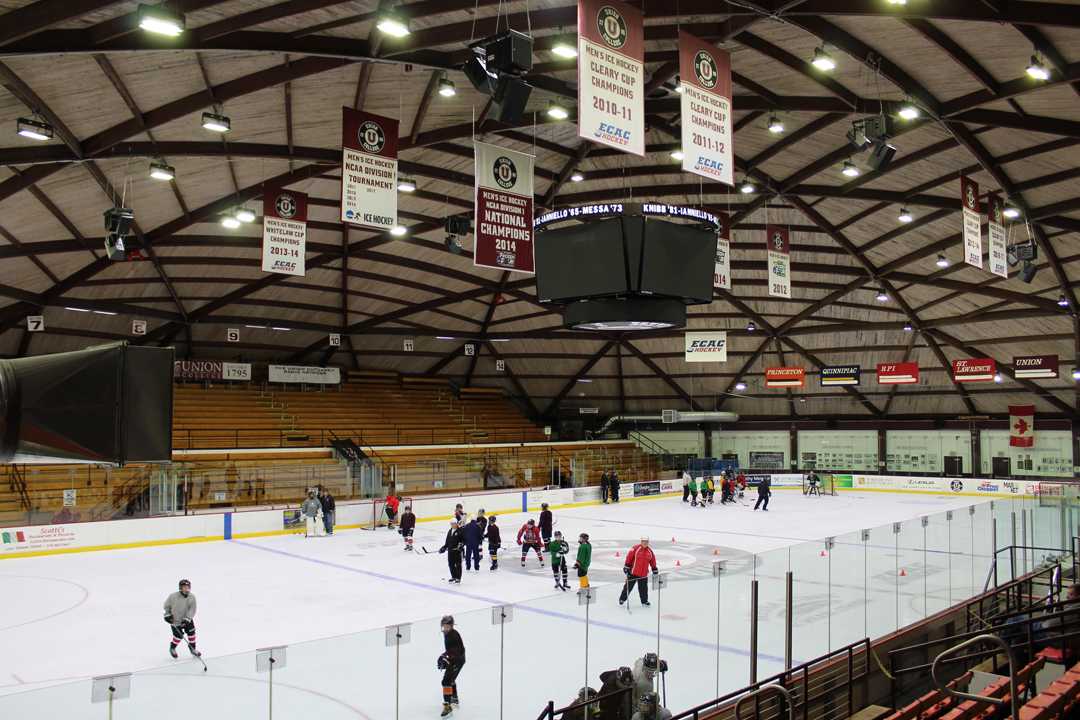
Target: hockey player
{"type": "Point", "coordinates": [636, 568]}
{"type": "Point", "coordinates": [531, 535]}
{"type": "Point", "coordinates": [481, 520]}
{"type": "Point", "coordinates": [452, 547]}
{"type": "Point", "coordinates": [708, 488]}
{"type": "Point", "coordinates": [558, 549]}
{"type": "Point", "coordinates": [473, 536]}
{"type": "Point", "coordinates": [693, 491]}
{"type": "Point", "coordinates": [686, 486]}
{"type": "Point", "coordinates": [494, 539]}
{"type": "Point", "coordinates": [649, 708]}
{"type": "Point", "coordinates": [584, 559]}
{"type": "Point", "coordinates": [459, 512]}
{"type": "Point", "coordinates": [311, 509]}
{"type": "Point", "coordinates": [407, 526]}
{"type": "Point", "coordinates": [604, 487]}
{"type": "Point", "coordinates": [329, 508]}
{"type": "Point", "coordinates": [646, 668]}
{"type": "Point", "coordinates": [616, 706]}
{"type": "Point", "coordinates": [450, 662]}
{"type": "Point", "coordinates": [546, 521]}
{"type": "Point", "coordinates": [725, 489]}
{"type": "Point", "coordinates": [392, 504]}
{"type": "Point", "coordinates": [764, 491]}
{"type": "Point", "coordinates": [180, 614]}
{"type": "Point", "coordinates": [740, 485]}
{"type": "Point", "coordinates": [584, 712]}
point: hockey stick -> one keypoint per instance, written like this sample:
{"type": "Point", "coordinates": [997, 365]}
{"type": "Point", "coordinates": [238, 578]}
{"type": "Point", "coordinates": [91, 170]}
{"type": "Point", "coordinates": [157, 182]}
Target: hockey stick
{"type": "Point", "coordinates": [199, 658]}
{"type": "Point", "coordinates": [626, 590]}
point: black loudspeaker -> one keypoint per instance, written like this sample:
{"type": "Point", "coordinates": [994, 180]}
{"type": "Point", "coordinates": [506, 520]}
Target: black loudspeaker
{"type": "Point", "coordinates": [511, 96]}
{"type": "Point", "coordinates": [475, 68]}
{"type": "Point", "coordinates": [1028, 273]}
{"type": "Point", "coordinates": [114, 247]}
{"type": "Point", "coordinates": [107, 404]}
{"type": "Point", "coordinates": [880, 157]}
{"type": "Point", "coordinates": [509, 52]}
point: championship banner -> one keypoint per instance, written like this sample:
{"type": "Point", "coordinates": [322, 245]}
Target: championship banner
{"type": "Point", "coordinates": [779, 247]}
{"type": "Point", "coordinates": [784, 377]}
{"type": "Point", "coordinates": [705, 76]}
{"type": "Point", "coordinates": [974, 370]}
{"type": "Point", "coordinates": [611, 75]}
{"type": "Point", "coordinates": [284, 232]}
{"type": "Point", "coordinates": [210, 370]}
{"type": "Point", "coordinates": [1034, 367]}
{"type": "Point", "coordinates": [305, 374]}
{"type": "Point", "coordinates": [1022, 426]}
{"type": "Point", "coordinates": [840, 375]}
{"type": "Point", "coordinates": [969, 199]}
{"type": "Point", "coordinates": [905, 373]}
{"type": "Point", "coordinates": [722, 265]}
{"type": "Point", "coordinates": [705, 347]}
{"type": "Point", "coordinates": [369, 168]}
{"type": "Point", "coordinates": [504, 209]}
{"type": "Point", "coordinates": [999, 265]}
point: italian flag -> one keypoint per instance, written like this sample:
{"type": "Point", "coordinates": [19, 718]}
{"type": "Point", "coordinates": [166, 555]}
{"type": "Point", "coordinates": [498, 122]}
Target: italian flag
{"type": "Point", "coordinates": [13, 537]}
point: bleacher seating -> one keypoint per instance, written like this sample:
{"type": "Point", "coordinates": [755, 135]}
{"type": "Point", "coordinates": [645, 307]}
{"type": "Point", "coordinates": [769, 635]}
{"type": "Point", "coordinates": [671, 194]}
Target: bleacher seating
{"type": "Point", "coordinates": [1061, 699]}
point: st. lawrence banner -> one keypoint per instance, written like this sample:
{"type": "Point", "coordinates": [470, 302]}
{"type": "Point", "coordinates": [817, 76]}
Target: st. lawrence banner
{"type": "Point", "coordinates": [369, 168]}
{"type": "Point", "coordinates": [969, 199]}
{"type": "Point", "coordinates": [705, 75]}
{"type": "Point", "coordinates": [974, 369]}
{"type": "Point", "coordinates": [995, 234]}
{"type": "Point", "coordinates": [504, 209]}
{"type": "Point", "coordinates": [611, 75]}
{"type": "Point", "coordinates": [284, 239]}
{"type": "Point", "coordinates": [779, 247]}
{"type": "Point", "coordinates": [722, 264]}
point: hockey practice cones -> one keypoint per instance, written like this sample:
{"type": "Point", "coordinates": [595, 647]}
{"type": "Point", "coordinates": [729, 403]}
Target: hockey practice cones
{"type": "Point", "coordinates": [824, 554]}
{"type": "Point", "coordinates": [903, 572]}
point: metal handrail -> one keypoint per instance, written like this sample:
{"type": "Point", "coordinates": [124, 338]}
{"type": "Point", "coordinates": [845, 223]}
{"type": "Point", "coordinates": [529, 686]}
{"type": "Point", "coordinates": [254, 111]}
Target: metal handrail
{"type": "Point", "coordinates": [550, 712]}
{"type": "Point", "coordinates": [994, 639]}
{"type": "Point", "coordinates": [765, 691]}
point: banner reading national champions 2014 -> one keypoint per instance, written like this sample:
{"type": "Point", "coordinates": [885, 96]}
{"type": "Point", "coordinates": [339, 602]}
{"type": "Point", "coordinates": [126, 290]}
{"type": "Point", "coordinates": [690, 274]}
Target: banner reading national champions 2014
{"type": "Point", "coordinates": [611, 75]}
{"type": "Point", "coordinates": [722, 263]}
{"type": "Point", "coordinates": [369, 168]}
{"type": "Point", "coordinates": [284, 232]}
{"type": "Point", "coordinates": [504, 209]}
{"type": "Point", "coordinates": [705, 76]}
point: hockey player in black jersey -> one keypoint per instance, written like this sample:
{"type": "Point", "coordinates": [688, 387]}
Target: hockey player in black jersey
{"type": "Point", "coordinates": [546, 521]}
{"type": "Point", "coordinates": [407, 526]}
{"type": "Point", "coordinates": [558, 549]}
{"type": "Point", "coordinates": [450, 662]}
{"type": "Point", "coordinates": [494, 542]}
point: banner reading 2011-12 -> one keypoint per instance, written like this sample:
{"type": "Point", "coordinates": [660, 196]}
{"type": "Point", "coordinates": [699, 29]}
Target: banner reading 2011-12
{"type": "Point", "coordinates": [284, 232]}
{"type": "Point", "coordinates": [504, 209]}
{"type": "Point", "coordinates": [969, 200]}
{"type": "Point", "coordinates": [369, 167]}
{"type": "Point", "coordinates": [779, 247]}
{"type": "Point", "coordinates": [611, 75]}
{"type": "Point", "coordinates": [705, 75]}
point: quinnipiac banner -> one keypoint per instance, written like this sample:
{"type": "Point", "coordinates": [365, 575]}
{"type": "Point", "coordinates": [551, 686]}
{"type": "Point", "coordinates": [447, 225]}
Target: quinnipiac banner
{"type": "Point", "coordinates": [840, 375]}
{"type": "Point", "coordinates": [369, 167]}
{"type": "Point", "coordinates": [611, 75]}
{"type": "Point", "coordinates": [722, 264]}
{"type": "Point", "coordinates": [969, 199]}
{"type": "Point", "coordinates": [504, 209]}
{"type": "Point", "coordinates": [284, 232]}
{"type": "Point", "coordinates": [995, 234]}
{"type": "Point", "coordinates": [779, 246]}
{"type": "Point", "coordinates": [705, 75]}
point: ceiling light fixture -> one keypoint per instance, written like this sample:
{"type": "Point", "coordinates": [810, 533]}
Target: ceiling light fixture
{"type": "Point", "coordinates": [1011, 212]}
{"type": "Point", "coordinates": [775, 125]}
{"type": "Point", "coordinates": [1076, 374]}
{"type": "Point", "coordinates": [230, 222]}
{"type": "Point", "coordinates": [679, 87]}
{"type": "Point", "coordinates": [564, 50]}
{"type": "Point", "coordinates": [1063, 301]}
{"type": "Point", "coordinates": [747, 187]}
{"type": "Point", "coordinates": [162, 171]}
{"type": "Point", "coordinates": [997, 377]}
{"type": "Point", "coordinates": [677, 154]}
{"type": "Point", "coordinates": [103, 312]}
{"type": "Point", "coordinates": [406, 185]}
{"type": "Point", "coordinates": [281, 329]}
{"type": "Point", "coordinates": [216, 123]}
{"type": "Point", "coordinates": [445, 337]}
{"type": "Point", "coordinates": [907, 327]}
{"type": "Point", "coordinates": [447, 88]}
{"type": "Point", "coordinates": [584, 380]}
{"type": "Point", "coordinates": [909, 111]}
{"type": "Point", "coordinates": [750, 326]}
{"type": "Point", "coordinates": [398, 230]}
{"type": "Point", "coordinates": [942, 261]}
{"type": "Point", "coordinates": [256, 327]}
{"type": "Point", "coordinates": [823, 60]}
{"type": "Point", "coordinates": [34, 128]}
{"type": "Point", "coordinates": [1036, 70]}
{"type": "Point", "coordinates": [577, 176]}
{"type": "Point", "coordinates": [75, 309]}
{"type": "Point", "coordinates": [882, 296]}
{"type": "Point", "coordinates": [160, 20]}
{"type": "Point", "coordinates": [557, 111]}
{"type": "Point", "coordinates": [392, 24]}
{"type": "Point", "coordinates": [244, 215]}
{"type": "Point", "coordinates": [905, 216]}
{"type": "Point", "coordinates": [740, 385]}
{"type": "Point", "coordinates": [849, 169]}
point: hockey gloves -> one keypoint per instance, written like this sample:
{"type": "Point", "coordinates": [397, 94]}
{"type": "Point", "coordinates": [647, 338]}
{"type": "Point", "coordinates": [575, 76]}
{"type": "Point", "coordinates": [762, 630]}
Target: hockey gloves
{"type": "Point", "coordinates": [169, 618]}
{"type": "Point", "coordinates": [626, 571]}
{"type": "Point", "coordinates": [443, 662]}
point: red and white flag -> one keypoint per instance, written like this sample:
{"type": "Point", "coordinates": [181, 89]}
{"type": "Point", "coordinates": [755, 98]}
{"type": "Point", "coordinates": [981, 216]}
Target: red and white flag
{"type": "Point", "coordinates": [1022, 426]}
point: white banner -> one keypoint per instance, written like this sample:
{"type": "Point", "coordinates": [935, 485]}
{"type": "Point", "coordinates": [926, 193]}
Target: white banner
{"type": "Point", "coordinates": [999, 264]}
{"type": "Point", "coordinates": [705, 77]}
{"type": "Point", "coordinates": [305, 374]}
{"type": "Point", "coordinates": [236, 371]}
{"type": "Point", "coordinates": [969, 197]}
{"type": "Point", "coordinates": [284, 246]}
{"type": "Point", "coordinates": [504, 209]}
{"type": "Point", "coordinates": [705, 347]}
{"type": "Point", "coordinates": [779, 247]}
{"type": "Point", "coordinates": [611, 75]}
{"type": "Point", "coordinates": [722, 264]}
{"type": "Point", "coordinates": [369, 168]}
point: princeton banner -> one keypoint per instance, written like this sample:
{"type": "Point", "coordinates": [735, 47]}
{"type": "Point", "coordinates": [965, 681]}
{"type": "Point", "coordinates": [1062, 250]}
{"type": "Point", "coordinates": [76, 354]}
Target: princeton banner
{"type": "Point", "coordinates": [1022, 426]}
{"type": "Point", "coordinates": [722, 265]}
{"type": "Point", "coordinates": [504, 209]}
{"type": "Point", "coordinates": [969, 199]}
{"type": "Point", "coordinates": [784, 377]}
{"type": "Point", "coordinates": [611, 75]}
{"type": "Point", "coordinates": [369, 168]}
{"type": "Point", "coordinates": [705, 347]}
{"type": "Point", "coordinates": [995, 234]}
{"type": "Point", "coordinates": [779, 247]}
{"type": "Point", "coordinates": [705, 75]}
{"type": "Point", "coordinates": [284, 232]}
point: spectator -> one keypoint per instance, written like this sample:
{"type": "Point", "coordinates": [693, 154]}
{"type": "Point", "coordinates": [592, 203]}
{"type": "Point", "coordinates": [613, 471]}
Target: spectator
{"type": "Point", "coordinates": [585, 712]}
{"type": "Point", "coordinates": [615, 705]}
{"type": "Point", "coordinates": [649, 708]}
{"type": "Point", "coordinates": [613, 481]}
{"type": "Point", "coordinates": [328, 508]}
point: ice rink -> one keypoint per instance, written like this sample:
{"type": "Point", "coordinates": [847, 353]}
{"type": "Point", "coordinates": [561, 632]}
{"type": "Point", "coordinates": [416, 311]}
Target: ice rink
{"type": "Point", "coordinates": [69, 617]}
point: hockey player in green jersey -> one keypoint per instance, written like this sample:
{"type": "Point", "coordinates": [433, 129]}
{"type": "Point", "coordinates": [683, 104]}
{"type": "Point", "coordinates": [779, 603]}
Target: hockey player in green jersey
{"type": "Point", "coordinates": [584, 559]}
{"type": "Point", "coordinates": [558, 548]}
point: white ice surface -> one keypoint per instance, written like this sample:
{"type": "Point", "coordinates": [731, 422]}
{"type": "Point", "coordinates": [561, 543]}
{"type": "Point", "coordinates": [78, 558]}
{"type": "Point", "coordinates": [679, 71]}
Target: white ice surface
{"type": "Point", "coordinates": [68, 617]}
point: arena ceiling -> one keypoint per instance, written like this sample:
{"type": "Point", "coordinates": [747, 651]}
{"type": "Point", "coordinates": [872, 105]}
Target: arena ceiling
{"type": "Point", "coordinates": [119, 99]}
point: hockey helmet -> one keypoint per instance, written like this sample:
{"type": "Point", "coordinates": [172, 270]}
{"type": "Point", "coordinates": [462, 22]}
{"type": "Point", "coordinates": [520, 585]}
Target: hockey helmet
{"type": "Point", "coordinates": [558, 533]}
{"type": "Point", "coordinates": [651, 662]}
{"type": "Point", "coordinates": [625, 676]}
{"type": "Point", "coordinates": [583, 537]}
{"type": "Point", "coordinates": [586, 693]}
{"type": "Point", "coordinates": [447, 620]}
{"type": "Point", "coordinates": [647, 705]}
{"type": "Point", "coordinates": [491, 519]}
{"type": "Point", "coordinates": [185, 583]}
{"type": "Point", "coordinates": [644, 539]}
{"type": "Point", "coordinates": [543, 506]}
{"type": "Point", "coordinates": [531, 521]}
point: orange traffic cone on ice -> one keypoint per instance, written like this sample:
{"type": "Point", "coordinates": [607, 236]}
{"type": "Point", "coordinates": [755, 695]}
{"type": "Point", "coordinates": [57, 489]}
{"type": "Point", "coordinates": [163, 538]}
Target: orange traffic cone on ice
{"type": "Point", "coordinates": [824, 554]}
{"type": "Point", "coordinates": [678, 563]}
{"type": "Point", "coordinates": [903, 572]}
{"type": "Point", "coordinates": [672, 538]}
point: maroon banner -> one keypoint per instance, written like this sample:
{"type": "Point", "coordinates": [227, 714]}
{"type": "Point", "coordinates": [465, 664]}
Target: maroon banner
{"type": "Point", "coordinates": [904, 373]}
{"type": "Point", "coordinates": [778, 247]}
{"type": "Point", "coordinates": [611, 75]}
{"type": "Point", "coordinates": [1035, 366]}
{"type": "Point", "coordinates": [974, 370]}
{"type": "Point", "coordinates": [1022, 426]}
{"type": "Point", "coordinates": [969, 201]}
{"type": "Point", "coordinates": [368, 169]}
{"type": "Point", "coordinates": [504, 209]}
{"type": "Point", "coordinates": [784, 377]}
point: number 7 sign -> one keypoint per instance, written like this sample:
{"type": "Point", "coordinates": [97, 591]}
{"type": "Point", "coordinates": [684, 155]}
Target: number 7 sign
{"type": "Point", "coordinates": [35, 323]}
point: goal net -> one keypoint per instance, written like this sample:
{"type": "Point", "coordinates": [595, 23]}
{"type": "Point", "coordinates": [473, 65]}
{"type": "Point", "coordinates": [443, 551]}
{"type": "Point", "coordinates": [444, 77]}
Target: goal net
{"type": "Point", "coordinates": [825, 485]}
{"type": "Point", "coordinates": [373, 513]}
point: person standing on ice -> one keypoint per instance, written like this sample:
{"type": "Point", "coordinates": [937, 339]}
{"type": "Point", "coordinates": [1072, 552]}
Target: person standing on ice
{"type": "Point", "coordinates": [558, 549]}
{"type": "Point", "coordinates": [764, 491]}
{"type": "Point", "coordinates": [494, 539]}
{"type": "Point", "coordinates": [180, 615]}
{"type": "Point", "coordinates": [328, 509]}
{"type": "Point", "coordinates": [636, 568]}
{"type": "Point", "coordinates": [393, 502]}
{"type": "Point", "coordinates": [686, 486]}
{"type": "Point", "coordinates": [613, 481]}
{"type": "Point", "coordinates": [604, 487]}
{"type": "Point", "coordinates": [407, 527]}
{"type": "Point", "coordinates": [546, 521]}
{"type": "Point", "coordinates": [584, 559]}
{"type": "Point", "coordinates": [311, 509]}
{"type": "Point", "coordinates": [693, 491]}
{"type": "Point", "coordinates": [473, 536]}
{"type": "Point", "coordinates": [450, 662]}
{"type": "Point", "coordinates": [452, 547]}
{"type": "Point", "coordinates": [528, 537]}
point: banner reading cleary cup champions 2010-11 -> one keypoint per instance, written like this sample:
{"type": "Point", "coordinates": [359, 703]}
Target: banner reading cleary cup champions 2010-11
{"type": "Point", "coordinates": [284, 232]}
{"type": "Point", "coordinates": [705, 75]}
{"type": "Point", "coordinates": [368, 169]}
{"type": "Point", "coordinates": [504, 209]}
{"type": "Point", "coordinates": [611, 75]}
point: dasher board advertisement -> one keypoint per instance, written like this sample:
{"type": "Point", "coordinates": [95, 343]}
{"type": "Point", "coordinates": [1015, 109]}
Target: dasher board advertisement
{"type": "Point", "coordinates": [504, 209]}
{"type": "Point", "coordinates": [611, 75]}
{"type": "Point", "coordinates": [369, 168]}
{"type": "Point", "coordinates": [705, 76]}
{"type": "Point", "coordinates": [284, 232]}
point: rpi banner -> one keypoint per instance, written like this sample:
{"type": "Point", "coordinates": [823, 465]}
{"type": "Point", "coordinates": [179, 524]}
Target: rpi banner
{"type": "Point", "coordinates": [611, 75]}
{"type": "Point", "coordinates": [504, 209]}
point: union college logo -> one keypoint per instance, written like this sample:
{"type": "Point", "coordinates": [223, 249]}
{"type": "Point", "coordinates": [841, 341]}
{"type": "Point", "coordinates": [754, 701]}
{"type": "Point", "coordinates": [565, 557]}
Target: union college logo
{"type": "Point", "coordinates": [997, 214]}
{"type": "Point", "coordinates": [612, 26]}
{"type": "Point", "coordinates": [778, 241]}
{"type": "Point", "coordinates": [505, 172]}
{"type": "Point", "coordinates": [286, 206]}
{"type": "Point", "coordinates": [970, 197]}
{"type": "Point", "coordinates": [371, 136]}
{"type": "Point", "coordinates": [705, 69]}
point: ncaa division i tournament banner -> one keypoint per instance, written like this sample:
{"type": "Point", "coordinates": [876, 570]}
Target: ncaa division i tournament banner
{"type": "Point", "coordinates": [969, 199]}
{"type": "Point", "coordinates": [504, 209]}
{"type": "Point", "coordinates": [368, 169]}
{"type": "Point", "coordinates": [722, 263]}
{"type": "Point", "coordinates": [999, 264]}
{"type": "Point", "coordinates": [284, 232]}
{"type": "Point", "coordinates": [705, 75]}
{"type": "Point", "coordinates": [611, 75]}
{"type": "Point", "coordinates": [779, 246]}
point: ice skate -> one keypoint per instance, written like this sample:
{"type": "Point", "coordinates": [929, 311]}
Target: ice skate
{"type": "Point", "coordinates": [172, 650]}
{"type": "Point", "coordinates": [447, 710]}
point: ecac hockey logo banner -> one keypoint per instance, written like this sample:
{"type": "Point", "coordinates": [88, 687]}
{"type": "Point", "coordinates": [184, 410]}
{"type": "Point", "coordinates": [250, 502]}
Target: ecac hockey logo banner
{"type": "Point", "coordinates": [611, 75]}
{"type": "Point", "coordinates": [706, 347]}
